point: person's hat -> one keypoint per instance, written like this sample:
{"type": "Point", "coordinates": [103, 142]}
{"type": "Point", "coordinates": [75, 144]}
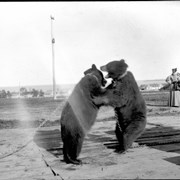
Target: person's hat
{"type": "Point", "coordinates": [174, 69]}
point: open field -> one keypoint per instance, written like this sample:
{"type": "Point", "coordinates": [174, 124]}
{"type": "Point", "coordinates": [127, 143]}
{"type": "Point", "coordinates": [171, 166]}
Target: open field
{"type": "Point", "coordinates": [31, 153]}
{"type": "Point", "coordinates": [32, 111]}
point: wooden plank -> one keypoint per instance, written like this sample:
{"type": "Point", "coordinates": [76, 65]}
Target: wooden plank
{"type": "Point", "coordinates": [168, 147]}
{"type": "Point", "coordinates": [159, 134]}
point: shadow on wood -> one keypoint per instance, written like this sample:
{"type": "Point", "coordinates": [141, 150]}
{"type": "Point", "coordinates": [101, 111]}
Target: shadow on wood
{"type": "Point", "coordinates": [49, 140]}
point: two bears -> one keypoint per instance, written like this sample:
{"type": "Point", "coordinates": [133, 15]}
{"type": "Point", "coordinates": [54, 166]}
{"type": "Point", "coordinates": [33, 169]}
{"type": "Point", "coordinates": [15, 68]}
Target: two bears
{"type": "Point", "coordinates": [81, 109]}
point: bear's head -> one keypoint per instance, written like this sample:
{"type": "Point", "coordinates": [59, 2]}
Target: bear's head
{"type": "Point", "coordinates": [115, 69]}
{"type": "Point", "coordinates": [97, 74]}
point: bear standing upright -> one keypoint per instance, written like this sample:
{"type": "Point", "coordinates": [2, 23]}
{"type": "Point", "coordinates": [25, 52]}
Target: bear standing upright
{"type": "Point", "coordinates": [129, 105]}
{"type": "Point", "coordinates": [79, 113]}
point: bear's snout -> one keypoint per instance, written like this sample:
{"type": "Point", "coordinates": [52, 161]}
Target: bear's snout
{"type": "Point", "coordinates": [103, 68]}
{"type": "Point", "coordinates": [107, 76]}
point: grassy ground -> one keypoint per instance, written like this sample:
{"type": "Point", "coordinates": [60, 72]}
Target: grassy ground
{"type": "Point", "coordinates": [33, 111]}
{"type": "Point", "coordinates": [29, 112]}
{"type": "Point", "coordinates": [157, 98]}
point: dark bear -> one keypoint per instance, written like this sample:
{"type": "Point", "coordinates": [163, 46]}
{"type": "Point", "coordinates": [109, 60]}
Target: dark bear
{"type": "Point", "coordinates": [79, 113]}
{"type": "Point", "coordinates": [130, 108]}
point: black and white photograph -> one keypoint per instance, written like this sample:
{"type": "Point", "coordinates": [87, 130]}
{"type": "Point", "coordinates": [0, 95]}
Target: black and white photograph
{"type": "Point", "coordinates": [89, 90]}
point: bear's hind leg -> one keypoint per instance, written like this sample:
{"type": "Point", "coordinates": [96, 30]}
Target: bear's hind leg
{"type": "Point", "coordinates": [76, 148]}
{"type": "Point", "coordinates": [132, 132]}
{"type": "Point", "coordinates": [72, 148]}
{"type": "Point", "coordinates": [69, 156]}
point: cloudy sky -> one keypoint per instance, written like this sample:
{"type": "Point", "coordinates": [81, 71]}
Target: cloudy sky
{"type": "Point", "coordinates": [145, 34]}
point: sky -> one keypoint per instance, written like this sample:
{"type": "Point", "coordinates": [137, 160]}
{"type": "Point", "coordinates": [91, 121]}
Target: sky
{"type": "Point", "coordinates": [145, 34]}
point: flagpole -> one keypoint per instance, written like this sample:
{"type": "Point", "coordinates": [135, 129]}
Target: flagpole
{"type": "Point", "coordinates": [53, 60]}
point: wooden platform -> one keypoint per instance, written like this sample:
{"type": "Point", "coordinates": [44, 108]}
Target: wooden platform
{"type": "Point", "coordinates": [158, 155]}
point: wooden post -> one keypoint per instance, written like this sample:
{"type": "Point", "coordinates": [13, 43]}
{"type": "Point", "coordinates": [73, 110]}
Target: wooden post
{"type": "Point", "coordinates": [53, 60]}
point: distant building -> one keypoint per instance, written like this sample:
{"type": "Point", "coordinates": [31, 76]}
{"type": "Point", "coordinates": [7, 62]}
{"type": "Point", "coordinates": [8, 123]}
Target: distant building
{"type": "Point", "coordinates": [48, 93]}
{"type": "Point", "coordinates": [151, 87]}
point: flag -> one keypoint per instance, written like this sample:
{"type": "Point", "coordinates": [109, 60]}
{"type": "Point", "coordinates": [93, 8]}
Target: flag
{"type": "Point", "coordinates": [53, 40]}
{"type": "Point", "coordinates": [52, 18]}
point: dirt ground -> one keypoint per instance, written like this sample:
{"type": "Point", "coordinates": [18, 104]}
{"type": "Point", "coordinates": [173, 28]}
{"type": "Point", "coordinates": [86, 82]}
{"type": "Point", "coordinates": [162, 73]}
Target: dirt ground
{"type": "Point", "coordinates": [31, 154]}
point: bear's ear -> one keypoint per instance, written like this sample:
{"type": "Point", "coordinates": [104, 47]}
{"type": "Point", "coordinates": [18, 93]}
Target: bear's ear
{"type": "Point", "coordinates": [94, 66]}
{"type": "Point", "coordinates": [122, 60]}
{"type": "Point", "coordinates": [123, 63]}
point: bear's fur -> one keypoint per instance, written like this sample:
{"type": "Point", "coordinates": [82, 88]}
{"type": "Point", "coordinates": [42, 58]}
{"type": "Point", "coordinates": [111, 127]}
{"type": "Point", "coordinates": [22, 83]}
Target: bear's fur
{"type": "Point", "coordinates": [79, 113]}
{"type": "Point", "coordinates": [129, 105]}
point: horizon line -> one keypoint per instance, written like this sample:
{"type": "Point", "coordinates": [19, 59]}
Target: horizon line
{"type": "Point", "coordinates": [66, 83]}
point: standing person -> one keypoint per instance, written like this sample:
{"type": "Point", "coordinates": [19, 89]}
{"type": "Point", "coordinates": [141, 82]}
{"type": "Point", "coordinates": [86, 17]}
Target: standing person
{"type": "Point", "coordinates": [174, 80]}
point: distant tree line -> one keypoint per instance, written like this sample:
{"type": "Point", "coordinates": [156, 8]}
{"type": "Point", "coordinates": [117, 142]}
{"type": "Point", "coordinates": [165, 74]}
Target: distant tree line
{"type": "Point", "coordinates": [33, 92]}
{"type": "Point", "coordinates": [4, 94]}
{"type": "Point", "coordinates": [23, 92]}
